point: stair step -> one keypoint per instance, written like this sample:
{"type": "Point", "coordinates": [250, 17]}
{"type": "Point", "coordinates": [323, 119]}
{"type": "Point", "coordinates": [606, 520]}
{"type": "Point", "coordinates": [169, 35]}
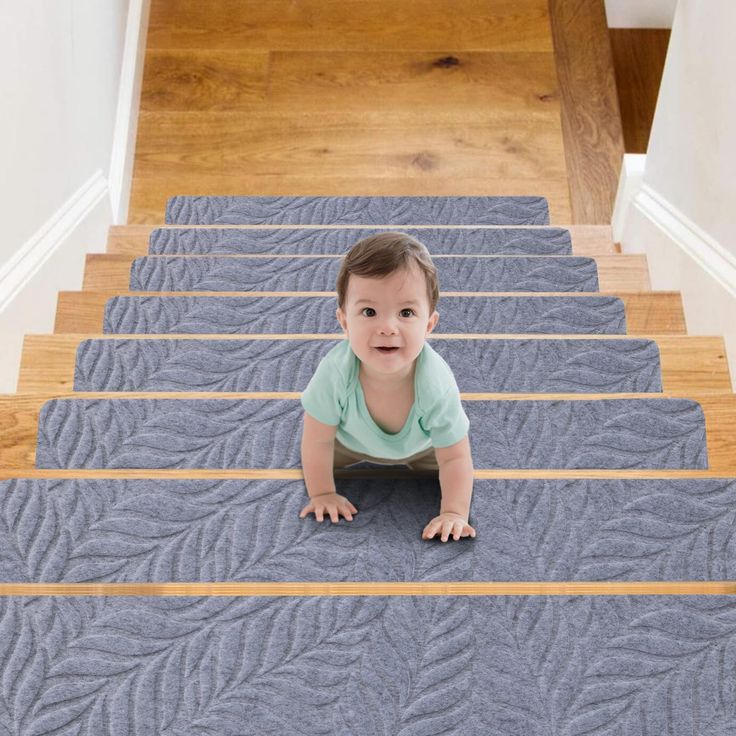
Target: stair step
{"type": "Point", "coordinates": [587, 240]}
{"type": "Point", "coordinates": [353, 649]}
{"type": "Point", "coordinates": [224, 432]}
{"type": "Point", "coordinates": [654, 313]}
{"type": "Point", "coordinates": [688, 363]}
{"type": "Point", "coordinates": [617, 272]}
{"type": "Point", "coordinates": [19, 416]}
{"type": "Point", "coordinates": [579, 516]}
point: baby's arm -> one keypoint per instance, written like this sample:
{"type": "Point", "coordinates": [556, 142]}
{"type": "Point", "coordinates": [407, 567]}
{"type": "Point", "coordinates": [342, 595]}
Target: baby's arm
{"type": "Point", "coordinates": [456, 483]}
{"type": "Point", "coordinates": [318, 453]}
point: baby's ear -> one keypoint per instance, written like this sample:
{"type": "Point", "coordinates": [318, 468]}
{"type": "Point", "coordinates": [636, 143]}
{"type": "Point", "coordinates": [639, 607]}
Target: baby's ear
{"type": "Point", "coordinates": [433, 320]}
{"type": "Point", "coordinates": [341, 319]}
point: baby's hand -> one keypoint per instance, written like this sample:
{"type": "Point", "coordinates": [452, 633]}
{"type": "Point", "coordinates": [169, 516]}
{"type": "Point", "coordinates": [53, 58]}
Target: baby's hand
{"type": "Point", "coordinates": [333, 503]}
{"type": "Point", "coordinates": [446, 524]}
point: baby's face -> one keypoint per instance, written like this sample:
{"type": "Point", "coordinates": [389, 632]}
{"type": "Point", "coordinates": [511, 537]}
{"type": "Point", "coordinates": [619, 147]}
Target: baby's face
{"type": "Point", "coordinates": [388, 312]}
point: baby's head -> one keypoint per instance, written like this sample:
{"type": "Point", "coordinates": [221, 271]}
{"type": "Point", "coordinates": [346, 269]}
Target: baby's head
{"type": "Point", "coordinates": [380, 255]}
{"type": "Point", "coordinates": [387, 292]}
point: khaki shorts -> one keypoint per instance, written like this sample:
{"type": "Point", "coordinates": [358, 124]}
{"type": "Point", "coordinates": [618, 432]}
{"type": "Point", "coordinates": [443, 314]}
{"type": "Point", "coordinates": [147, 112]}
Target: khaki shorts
{"type": "Point", "coordinates": [425, 460]}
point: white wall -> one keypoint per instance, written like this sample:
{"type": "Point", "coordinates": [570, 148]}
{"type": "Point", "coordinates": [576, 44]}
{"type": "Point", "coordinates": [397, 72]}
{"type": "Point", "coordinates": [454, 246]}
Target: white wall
{"type": "Point", "coordinates": [60, 72]}
{"type": "Point", "coordinates": [640, 13]}
{"type": "Point", "coordinates": [679, 209]}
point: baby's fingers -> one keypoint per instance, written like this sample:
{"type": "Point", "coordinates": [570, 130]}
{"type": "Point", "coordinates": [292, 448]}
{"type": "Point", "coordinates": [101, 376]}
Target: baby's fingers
{"type": "Point", "coordinates": [346, 513]}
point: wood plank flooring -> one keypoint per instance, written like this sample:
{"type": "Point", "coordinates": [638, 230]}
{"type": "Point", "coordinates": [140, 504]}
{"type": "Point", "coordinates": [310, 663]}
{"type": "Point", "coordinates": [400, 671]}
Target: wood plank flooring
{"type": "Point", "coordinates": [372, 97]}
{"type": "Point", "coordinates": [591, 119]}
{"type": "Point", "coordinates": [638, 59]}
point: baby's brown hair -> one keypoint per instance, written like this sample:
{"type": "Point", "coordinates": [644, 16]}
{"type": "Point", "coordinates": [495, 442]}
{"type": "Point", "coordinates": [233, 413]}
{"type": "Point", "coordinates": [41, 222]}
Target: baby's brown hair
{"type": "Point", "coordinates": [382, 254]}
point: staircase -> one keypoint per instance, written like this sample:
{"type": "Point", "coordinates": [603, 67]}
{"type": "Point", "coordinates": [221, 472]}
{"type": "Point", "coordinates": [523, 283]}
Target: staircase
{"type": "Point", "coordinates": [158, 582]}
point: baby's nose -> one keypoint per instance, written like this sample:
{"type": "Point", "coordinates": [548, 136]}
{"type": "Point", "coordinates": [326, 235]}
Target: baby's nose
{"type": "Point", "coordinates": [388, 327]}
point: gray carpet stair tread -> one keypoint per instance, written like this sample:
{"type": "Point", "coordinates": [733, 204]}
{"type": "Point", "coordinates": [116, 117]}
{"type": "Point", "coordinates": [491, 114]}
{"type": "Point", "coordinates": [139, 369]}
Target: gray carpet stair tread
{"type": "Point", "coordinates": [315, 314]}
{"type": "Point", "coordinates": [366, 665]}
{"type": "Point", "coordinates": [337, 241]}
{"type": "Point", "coordinates": [358, 210]}
{"type": "Point", "coordinates": [128, 531]}
{"type": "Point", "coordinates": [490, 366]}
{"type": "Point", "coordinates": [302, 273]}
{"type": "Point", "coordinates": [260, 433]}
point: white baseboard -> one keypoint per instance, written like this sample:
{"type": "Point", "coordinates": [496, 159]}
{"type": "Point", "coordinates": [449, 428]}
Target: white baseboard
{"type": "Point", "coordinates": [682, 257]}
{"type": "Point", "coordinates": [50, 261]}
{"type": "Point", "coordinates": [126, 119]}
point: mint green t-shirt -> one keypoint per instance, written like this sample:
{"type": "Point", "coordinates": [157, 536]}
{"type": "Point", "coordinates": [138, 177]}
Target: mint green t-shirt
{"type": "Point", "coordinates": [334, 396]}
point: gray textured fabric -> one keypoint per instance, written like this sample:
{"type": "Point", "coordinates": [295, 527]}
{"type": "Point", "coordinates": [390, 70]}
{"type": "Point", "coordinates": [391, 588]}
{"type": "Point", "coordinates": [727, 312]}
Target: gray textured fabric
{"type": "Point", "coordinates": [266, 433]}
{"type": "Point", "coordinates": [490, 366]}
{"type": "Point", "coordinates": [367, 665]}
{"type": "Point", "coordinates": [320, 210]}
{"type": "Point", "coordinates": [305, 273]}
{"type": "Point", "coordinates": [250, 531]}
{"type": "Point", "coordinates": [316, 314]}
{"type": "Point", "coordinates": [337, 241]}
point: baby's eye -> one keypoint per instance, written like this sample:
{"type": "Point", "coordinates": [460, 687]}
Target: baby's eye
{"type": "Point", "coordinates": [373, 311]}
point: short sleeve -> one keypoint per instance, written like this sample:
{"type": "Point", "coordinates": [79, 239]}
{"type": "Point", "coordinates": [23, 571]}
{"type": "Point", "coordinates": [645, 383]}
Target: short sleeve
{"type": "Point", "coordinates": [445, 421]}
{"type": "Point", "coordinates": [323, 396]}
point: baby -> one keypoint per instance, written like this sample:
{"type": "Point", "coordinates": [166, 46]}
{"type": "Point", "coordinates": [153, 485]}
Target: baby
{"type": "Point", "coordinates": [384, 395]}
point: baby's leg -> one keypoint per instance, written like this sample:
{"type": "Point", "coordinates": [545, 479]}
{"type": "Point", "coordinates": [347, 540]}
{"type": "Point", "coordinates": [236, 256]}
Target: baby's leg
{"type": "Point", "coordinates": [345, 456]}
{"type": "Point", "coordinates": [426, 460]}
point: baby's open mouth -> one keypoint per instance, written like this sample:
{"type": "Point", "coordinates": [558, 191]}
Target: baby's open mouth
{"type": "Point", "coordinates": [386, 350]}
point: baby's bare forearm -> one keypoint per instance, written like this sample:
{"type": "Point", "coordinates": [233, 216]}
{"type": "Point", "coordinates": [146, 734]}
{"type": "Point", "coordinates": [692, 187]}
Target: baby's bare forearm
{"type": "Point", "coordinates": [317, 466]}
{"type": "Point", "coordinates": [456, 482]}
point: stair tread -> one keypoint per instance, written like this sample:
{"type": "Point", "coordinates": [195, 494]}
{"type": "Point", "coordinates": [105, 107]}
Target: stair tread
{"type": "Point", "coordinates": [630, 272]}
{"type": "Point", "coordinates": [653, 312]}
{"type": "Point", "coordinates": [688, 362]}
{"type": "Point", "coordinates": [133, 239]}
{"type": "Point", "coordinates": [19, 415]}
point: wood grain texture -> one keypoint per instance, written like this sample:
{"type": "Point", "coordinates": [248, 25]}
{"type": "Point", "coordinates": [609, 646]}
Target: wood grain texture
{"type": "Point", "coordinates": [688, 363]}
{"type": "Point", "coordinates": [291, 473]}
{"type": "Point", "coordinates": [19, 418]}
{"type": "Point", "coordinates": [647, 312]}
{"type": "Point", "coordinates": [587, 240]}
{"type": "Point", "coordinates": [358, 25]}
{"type": "Point", "coordinates": [363, 589]}
{"type": "Point", "coordinates": [498, 85]}
{"type": "Point", "coordinates": [366, 97]}
{"type": "Point", "coordinates": [616, 272]}
{"type": "Point", "coordinates": [638, 59]}
{"type": "Point", "coordinates": [149, 196]}
{"type": "Point", "coordinates": [591, 120]}
{"type": "Point", "coordinates": [403, 144]}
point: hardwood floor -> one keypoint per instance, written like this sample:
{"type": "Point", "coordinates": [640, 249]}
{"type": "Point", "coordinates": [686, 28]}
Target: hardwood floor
{"type": "Point", "coordinates": [323, 97]}
{"type": "Point", "coordinates": [638, 58]}
{"type": "Point", "coordinates": [591, 121]}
